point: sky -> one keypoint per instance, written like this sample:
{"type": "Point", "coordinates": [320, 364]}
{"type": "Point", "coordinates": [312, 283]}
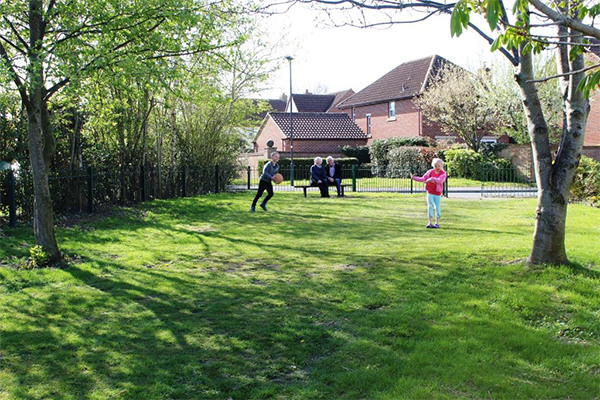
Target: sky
{"type": "Point", "coordinates": [330, 59]}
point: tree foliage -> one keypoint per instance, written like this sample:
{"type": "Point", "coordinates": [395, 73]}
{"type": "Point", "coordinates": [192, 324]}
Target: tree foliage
{"type": "Point", "coordinates": [455, 99]}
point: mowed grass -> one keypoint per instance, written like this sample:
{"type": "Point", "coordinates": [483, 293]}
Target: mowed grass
{"type": "Point", "coordinates": [345, 298]}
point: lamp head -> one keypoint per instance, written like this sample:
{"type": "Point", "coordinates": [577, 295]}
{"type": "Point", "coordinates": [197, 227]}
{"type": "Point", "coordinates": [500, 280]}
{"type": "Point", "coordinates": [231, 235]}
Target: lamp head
{"type": "Point", "coordinates": [289, 58]}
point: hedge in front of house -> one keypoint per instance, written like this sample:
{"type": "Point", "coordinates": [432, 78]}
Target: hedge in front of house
{"type": "Point", "coordinates": [302, 166]}
{"type": "Point", "coordinates": [359, 152]}
{"type": "Point", "coordinates": [586, 183]}
{"type": "Point", "coordinates": [380, 150]}
{"type": "Point", "coordinates": [406, 160]}
{"type": "Point", "coordinates": [466, 163]}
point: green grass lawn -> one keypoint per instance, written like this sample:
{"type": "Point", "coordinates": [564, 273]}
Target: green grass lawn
{"type": "Point", "coordinates": [345, 298]}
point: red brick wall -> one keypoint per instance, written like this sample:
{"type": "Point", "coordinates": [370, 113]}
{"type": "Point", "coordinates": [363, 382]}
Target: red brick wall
{"type": "Point", "coordinates": [409, 121]}
{"type": "Point", "coordinates": [592, 130]}
{"type": "Point", "coordinates": [270, 131]}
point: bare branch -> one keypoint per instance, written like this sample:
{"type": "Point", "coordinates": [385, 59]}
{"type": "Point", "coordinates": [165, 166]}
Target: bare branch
{"type": "Point", "coordinates": [579, 71]}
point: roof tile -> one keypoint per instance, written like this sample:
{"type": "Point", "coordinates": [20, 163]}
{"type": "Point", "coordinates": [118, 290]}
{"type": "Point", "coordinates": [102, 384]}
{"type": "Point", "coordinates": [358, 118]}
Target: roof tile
{"type": "Point", "coordinates": [406, 80]}
{"type": "Point", "coordinates": [331, 126]}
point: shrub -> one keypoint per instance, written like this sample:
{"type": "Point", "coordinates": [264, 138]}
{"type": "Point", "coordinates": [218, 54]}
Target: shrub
{"type": "Point", "coordinates": [586, 184]}
{"type": "Point", "coordinates": [379, 150]}
{"type": "Point", "coordinates": [406, 160]}
{"type": "Point", "coordinates": [359, 152]}
{"type": "Point", "coordinates": [463, 163]}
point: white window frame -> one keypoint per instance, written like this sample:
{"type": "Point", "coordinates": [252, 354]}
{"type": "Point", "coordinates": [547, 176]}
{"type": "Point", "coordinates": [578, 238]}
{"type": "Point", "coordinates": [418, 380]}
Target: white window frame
{"type": "Point", "coordinates": [489, 139]}
{"type": "Point", "coordinates": [391, 111]}
{"type": "Point", "coordinates": [369, 124]}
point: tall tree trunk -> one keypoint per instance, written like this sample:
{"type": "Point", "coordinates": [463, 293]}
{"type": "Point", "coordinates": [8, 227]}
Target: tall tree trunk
{"type": "Point", "coordinates": [553, 179]}
{"type": "Point", "coordinates": [40, 151]}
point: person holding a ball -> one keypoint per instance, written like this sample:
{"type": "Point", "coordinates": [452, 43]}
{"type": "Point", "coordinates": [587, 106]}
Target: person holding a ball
{"type": "Point", "coordinates": [269, 171]}
{"type": "Point", "coordinates": [434, 186]}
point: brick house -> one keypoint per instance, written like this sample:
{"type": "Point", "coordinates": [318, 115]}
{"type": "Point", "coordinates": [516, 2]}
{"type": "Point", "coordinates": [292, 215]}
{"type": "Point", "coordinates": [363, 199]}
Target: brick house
{"type": "Point", "coordinates": [314, 133]}
{"type": "Point", "coordinates": [386, 108]}
{"type": "Point", "coordinates": [592, 130]}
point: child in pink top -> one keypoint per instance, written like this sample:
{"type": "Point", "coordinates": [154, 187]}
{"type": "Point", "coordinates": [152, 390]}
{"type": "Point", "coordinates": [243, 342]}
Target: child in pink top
{"type": "Point", "coordinates": [434, 186]}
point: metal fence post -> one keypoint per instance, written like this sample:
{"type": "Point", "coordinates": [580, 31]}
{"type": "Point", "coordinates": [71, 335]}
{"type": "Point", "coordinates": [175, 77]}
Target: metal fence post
{"type": "Point", "coordinates": [12, 199]}
{"type": "Point", "coordinates": [142, 183]}
{"type": "Point", "coordinates": [249, 172]}
{"type": "Point", "coordinates": [216, 178]}
{"type": "Point", "coordinates": [446, 187]}
{"type": "Point", "coordinates": [90, 190]}
{"type": "Point", "coordinates": [411, 186]}
{"type": "Point", "coordinates": [183, 183]}
{"type": "Point", "coordinates": [354, 178]}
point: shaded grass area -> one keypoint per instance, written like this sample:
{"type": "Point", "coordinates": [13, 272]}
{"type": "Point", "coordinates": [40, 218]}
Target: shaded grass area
{"type": "Point", "coordinates": [319, 298]}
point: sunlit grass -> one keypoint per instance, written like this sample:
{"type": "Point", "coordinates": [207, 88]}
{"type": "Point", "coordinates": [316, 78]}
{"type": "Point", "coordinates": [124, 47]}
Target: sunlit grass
{"type": "Point", "coordinates": [350, 298]}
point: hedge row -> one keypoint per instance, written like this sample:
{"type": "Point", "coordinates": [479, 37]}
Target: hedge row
{"type": "Point", "coordinates": [380, 150]}
{"type": "Point", "coordinates": [466, 163]}
{"type": "Point", "coordinates": [586, 184]}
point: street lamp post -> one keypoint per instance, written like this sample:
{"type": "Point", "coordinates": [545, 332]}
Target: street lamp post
{"type": "Point", "coordinates": [289, 58]}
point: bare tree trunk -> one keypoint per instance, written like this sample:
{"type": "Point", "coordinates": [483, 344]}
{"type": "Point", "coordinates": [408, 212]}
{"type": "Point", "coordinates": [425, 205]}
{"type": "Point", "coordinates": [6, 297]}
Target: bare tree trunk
{"type": "Point", "coordinates": [553, 179]}
{"type": "Point", "coordinates": [41, 147]}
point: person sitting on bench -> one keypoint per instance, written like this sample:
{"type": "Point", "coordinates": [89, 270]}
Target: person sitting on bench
{"type": "Point", "coordinates": [318, 177]}
{"type": "Point", "coordinates": [333, 171]}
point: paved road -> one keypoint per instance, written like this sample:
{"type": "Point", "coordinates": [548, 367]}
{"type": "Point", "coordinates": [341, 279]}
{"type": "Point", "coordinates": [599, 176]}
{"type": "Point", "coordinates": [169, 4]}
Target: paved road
{"type": "Point", "coordinates": [454, 192]}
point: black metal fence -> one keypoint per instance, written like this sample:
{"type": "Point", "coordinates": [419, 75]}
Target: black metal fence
{"type": "Point", "coordinates": [78, 191]}
{"type": "Point", "coordinates": [358, 180]}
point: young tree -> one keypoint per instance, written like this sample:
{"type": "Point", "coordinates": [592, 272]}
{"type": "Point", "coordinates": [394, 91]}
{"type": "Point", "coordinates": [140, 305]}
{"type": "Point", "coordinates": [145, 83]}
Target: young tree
{"type": "Point", "coordinates": [518, 36]}
{"type": "Point", "coordinates": [48, 45]}
{"type": "Point", "coordinates": [455, 100]}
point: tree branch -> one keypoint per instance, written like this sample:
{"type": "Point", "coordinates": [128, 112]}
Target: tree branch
{"type": "Point", "coordinates": [16, 32]}
{"type": "Point", "coordinates": [17, 80]}
{"type": "Point", "coordinates": [564, 74]}
{"type": "Point", "coordinates": [565, 20]}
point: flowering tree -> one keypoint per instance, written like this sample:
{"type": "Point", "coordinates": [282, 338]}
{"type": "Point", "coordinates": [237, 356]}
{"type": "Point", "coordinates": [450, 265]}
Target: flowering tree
{"type": "Point", "coordinates": [455, 99]}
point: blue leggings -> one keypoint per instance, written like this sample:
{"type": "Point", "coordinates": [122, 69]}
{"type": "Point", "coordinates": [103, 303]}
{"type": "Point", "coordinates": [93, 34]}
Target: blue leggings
{"type": "Point", "coordinates": [434, 201]}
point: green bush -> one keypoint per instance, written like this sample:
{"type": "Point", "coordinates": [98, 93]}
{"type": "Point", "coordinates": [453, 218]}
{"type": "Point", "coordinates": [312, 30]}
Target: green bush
{"type": "Point", "coordinates": [379, 150]}
{"type": "Point", "coordinates": [406, 160]}
{"type": "Point", "coordinates": [466, 163]}
{"type": "Point", "coordinates": [463, 163]}
{"type": "Point", "coordinates": [359, 152]}
{"type": "Point", "coordinates": [586, 184]}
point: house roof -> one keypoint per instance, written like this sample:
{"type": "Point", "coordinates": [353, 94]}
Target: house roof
{"type": "Point", "coordinates": [275, 105]}
{"type": "Point", "coordinates": [339, 97]}
{"type": "Point", "coordinates": [313, 102]}
{"type": "Point", "coordinates": [405, 81]}
{"type": "Point", "coordinates": [330, 126]}
{"type": "Point", "coordinates": [595, 50]}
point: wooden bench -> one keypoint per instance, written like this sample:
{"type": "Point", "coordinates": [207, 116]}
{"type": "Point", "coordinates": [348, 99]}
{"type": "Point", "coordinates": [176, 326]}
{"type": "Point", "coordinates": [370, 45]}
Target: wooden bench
{"type": "Point", "coordinates": [305, 187]}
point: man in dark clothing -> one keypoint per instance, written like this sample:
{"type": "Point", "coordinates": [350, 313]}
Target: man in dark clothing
{"type": "Point", "coordinates": [319, 178]}
{"type": "Point", "coordinates": [333, 171]}
{"type": "Point", "coordinates": [271, 168]}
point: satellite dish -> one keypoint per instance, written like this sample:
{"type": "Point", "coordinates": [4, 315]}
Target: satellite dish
{"type": "Point", "coordinates": [270, 143]}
